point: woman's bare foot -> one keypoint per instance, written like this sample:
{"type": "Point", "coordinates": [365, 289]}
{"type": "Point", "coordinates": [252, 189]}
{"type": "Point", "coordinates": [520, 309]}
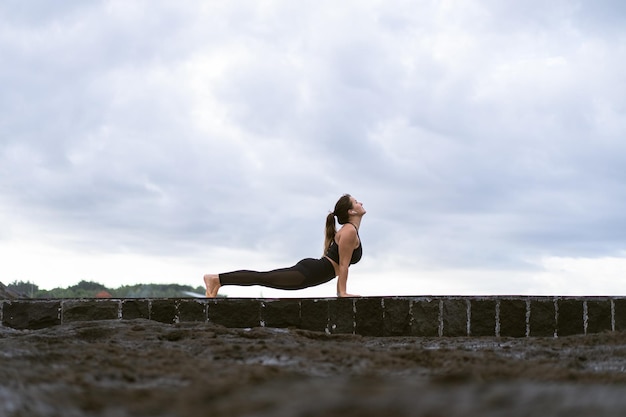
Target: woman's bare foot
{"type": "Point", "coordinates": [212, 283]}
{"type": "Point", "coordinates": [347, 295]}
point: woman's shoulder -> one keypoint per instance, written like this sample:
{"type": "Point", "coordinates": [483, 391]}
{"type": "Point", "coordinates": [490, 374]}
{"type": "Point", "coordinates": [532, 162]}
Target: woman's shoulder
{"type": "Point", "coordinates": [348, 228]}
{"type": "Point", "coordinates": [348, 232]}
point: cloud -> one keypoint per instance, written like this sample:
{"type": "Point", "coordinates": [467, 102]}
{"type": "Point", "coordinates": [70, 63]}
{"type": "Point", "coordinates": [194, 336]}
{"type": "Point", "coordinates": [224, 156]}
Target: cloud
{"type": "Point", "coordinates": [481, 137]}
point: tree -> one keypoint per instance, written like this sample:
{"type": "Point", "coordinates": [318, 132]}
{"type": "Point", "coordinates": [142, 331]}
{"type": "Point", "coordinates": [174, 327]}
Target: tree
{"type": "Point", "coordinates": [27, 288]}
{"type": "Point", "coordinates": [90, 289]}
{"type": "Point", "coordinates": [89, 286]}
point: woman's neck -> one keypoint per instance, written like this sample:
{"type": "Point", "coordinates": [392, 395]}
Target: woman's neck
{"type": "Point", "coordinates": [356, 221]}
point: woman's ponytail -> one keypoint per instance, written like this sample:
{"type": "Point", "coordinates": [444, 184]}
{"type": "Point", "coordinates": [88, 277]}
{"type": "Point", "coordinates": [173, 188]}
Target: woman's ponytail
{"type": "Point", "coordinates": [341, 212]}
{"type": "Point", "coordinates": [329, 231]}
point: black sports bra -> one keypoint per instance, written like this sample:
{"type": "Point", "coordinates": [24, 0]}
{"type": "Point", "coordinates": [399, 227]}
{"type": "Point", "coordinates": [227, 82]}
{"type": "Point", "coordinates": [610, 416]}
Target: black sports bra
{"type": "Point", "coordinates": [333, 251]}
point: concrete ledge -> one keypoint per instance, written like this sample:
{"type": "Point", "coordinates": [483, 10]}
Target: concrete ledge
{"type": "Point", "coordinates": [501, 316]}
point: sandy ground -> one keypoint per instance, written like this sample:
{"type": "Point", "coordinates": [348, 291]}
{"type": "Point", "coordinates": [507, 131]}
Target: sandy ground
{"type": "Point", "coordinates": [145, 368]}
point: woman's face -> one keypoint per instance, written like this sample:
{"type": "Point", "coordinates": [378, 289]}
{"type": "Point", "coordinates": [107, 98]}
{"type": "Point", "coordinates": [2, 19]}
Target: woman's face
{"type": "Point", "coordinates": [357, 207]}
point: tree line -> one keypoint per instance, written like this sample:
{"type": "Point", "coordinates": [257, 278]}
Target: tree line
{"type": "Point", "coordinates": [90, 289]}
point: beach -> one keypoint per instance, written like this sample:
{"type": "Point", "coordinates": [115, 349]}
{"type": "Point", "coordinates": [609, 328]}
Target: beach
{"type": "Point", "coordinates": [146, 368]}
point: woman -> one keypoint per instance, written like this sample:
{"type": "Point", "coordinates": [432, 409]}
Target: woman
{"type": "Point", "coordinates": [341, 249]}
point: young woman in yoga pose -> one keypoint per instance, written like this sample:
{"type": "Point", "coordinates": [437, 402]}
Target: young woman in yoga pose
{"type": "Point", "coordinates": [342, 248]}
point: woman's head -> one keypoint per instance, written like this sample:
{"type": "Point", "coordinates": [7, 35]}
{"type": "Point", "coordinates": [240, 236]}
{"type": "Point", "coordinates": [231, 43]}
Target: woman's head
{"type": "Point", "coordinates": [345, 207]}
{"type": "Point", "coordinates": [342, 208]}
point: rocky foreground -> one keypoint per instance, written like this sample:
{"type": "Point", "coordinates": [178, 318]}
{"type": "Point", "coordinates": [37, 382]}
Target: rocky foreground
{"type": "Point", "coordinates": [146, 368]}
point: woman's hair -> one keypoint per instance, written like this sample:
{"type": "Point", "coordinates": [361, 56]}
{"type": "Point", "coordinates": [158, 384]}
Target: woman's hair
{"type": "Point", "coordinates": [341, 212]}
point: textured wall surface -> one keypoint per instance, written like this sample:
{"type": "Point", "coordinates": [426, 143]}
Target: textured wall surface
{"type": "Point", "coordinates": [506, 316]}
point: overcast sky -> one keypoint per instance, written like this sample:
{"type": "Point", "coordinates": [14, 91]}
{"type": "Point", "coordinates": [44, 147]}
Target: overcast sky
{"type": "Point", "coordinates": [155, 141]}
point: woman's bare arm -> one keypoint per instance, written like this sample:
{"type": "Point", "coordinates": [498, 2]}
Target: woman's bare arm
{"type": "Point", "coordinates": [347, 240]}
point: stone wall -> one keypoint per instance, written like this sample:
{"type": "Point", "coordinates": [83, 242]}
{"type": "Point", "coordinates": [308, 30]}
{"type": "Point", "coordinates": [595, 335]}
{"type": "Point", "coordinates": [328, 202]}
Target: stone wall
{"type": "Point", "coordinates": [514, 316]}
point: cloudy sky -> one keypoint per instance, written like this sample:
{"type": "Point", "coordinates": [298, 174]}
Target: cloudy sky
{"type": "Point", "coordinates": [155, 141]}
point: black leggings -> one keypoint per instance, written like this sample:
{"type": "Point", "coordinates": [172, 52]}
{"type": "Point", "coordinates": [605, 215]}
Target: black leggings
{"type": "Point", "coordinates": [306, 273]}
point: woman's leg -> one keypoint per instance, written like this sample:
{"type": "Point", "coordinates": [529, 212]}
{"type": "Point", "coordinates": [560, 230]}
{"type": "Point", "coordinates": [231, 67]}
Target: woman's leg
{"type": "Point", "coordinates": [282, 279]}
{"type": "Point", "coordinates": [306, 273]}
